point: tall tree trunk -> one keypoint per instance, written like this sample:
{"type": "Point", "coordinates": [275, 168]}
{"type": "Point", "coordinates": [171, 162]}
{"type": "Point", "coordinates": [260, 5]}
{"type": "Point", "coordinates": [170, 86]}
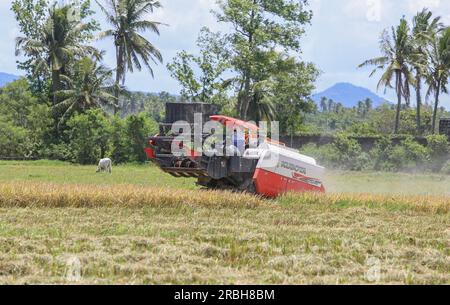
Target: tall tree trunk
{"type": "Point", "coordinates": [436, 105]}
{"type": "Point", "coordinates": [246, 96]}
{"type": "Point", "coordinates": [249, 97]}
{"type": "Point", "coordinates": [119, 76]}
{"type": "Point", "coordinates": [407, 98]}
{"type": "Point", "coordinates": [419, 101]}
{"type": "Point", "coordinates": [240, 98]}
{"type": "Point", "coordinates": [56, 85]}
{"type": "Point", "coordinates": [399, 103]}
{"type": "Point", "coordinates": [245, 93]}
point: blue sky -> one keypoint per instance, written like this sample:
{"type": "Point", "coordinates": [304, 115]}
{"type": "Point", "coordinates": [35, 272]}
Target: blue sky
{"type": "Point", "coordinates": [342, 35]}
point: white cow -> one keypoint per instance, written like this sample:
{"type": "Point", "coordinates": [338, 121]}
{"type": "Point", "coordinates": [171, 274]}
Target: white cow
{"type": "Point", "coordinates": [105, 165]}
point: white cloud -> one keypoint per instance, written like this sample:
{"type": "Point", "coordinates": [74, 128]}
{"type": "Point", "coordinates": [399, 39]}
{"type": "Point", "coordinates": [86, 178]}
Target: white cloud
{"type": "Point", "coordinates": [417, 5]}
{"type": "Point", "coordinates": [315, 5]}
{"type": "Point", "coordinates": [355, 9]}
{"type": "Point", "coordinates": [180, 14]}
{"type": "Point", "coordinates": [374, 10]}
{"type": "Point", "coordinates": [367, 10]}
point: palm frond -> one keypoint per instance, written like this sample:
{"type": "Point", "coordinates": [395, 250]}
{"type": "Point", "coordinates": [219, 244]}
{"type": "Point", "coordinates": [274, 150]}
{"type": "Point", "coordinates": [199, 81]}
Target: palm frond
{"type": "Point", "coordinates": [105, 34]}
{"type": "Point", "coordinates": [144, 25]}
{"type": "Point", "coordinates": [128, 18]}
{"type": "Point", "coordinates": [379, 61]}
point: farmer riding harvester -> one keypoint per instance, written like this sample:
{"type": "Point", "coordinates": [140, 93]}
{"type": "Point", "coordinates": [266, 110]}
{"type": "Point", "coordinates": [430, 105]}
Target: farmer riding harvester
{"type": "Point", "coordinates": [242, 162]}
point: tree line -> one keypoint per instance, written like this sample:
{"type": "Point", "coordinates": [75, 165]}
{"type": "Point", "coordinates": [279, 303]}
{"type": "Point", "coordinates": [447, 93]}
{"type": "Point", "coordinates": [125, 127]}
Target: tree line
{"type": "Point", "coordinates": [414, 54]}
{"type": "Point", "coordinates": [345, 153]}
{"type": "Point", "coordinates": [368, 119]}
{"type": "Point", "coordinates": [61, 61]}
{"type": "Point", "coordinates": [253, 72]}
{"type": "Point", "coordinates": [71, 106]}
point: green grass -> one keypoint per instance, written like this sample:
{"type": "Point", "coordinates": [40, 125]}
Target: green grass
{"type": "Point", "coordinates": [60, 172]}
{"type": "Point", "coordinates": [139, 226]}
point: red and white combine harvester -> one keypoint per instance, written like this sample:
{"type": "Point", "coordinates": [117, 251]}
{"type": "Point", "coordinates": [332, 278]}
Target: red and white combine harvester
{"type": "Point", "coordinates": [270, 169]}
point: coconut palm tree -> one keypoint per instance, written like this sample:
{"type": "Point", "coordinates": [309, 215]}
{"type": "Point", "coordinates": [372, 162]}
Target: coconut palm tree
{"type": "Point", "coordinates": [438, 70]}
{"type": "Point", "coordinates": [59, 41]}
{"type": "Point", "coordinates": [369, 104]}
{"type": "Point", "coordinates": [331, 105]}
{"type": "Point", "coordinates": [424, 29]}
{"type": "Point", "coordinates": [90, 87]}
{"type": "Point", "coordinates": [396, 49]}
{"type": "Point", "coordinates": [323, 104]}
{"type": "Point", "coordinates": [127, 18]}
{"type": "Point", "coordinates": [262, 109]}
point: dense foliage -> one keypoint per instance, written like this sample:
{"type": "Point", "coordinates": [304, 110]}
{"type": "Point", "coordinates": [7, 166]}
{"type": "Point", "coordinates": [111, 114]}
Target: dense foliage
{"type": "Point", "coordinates": [364, 119]}
{"type": "Point", "coordinates": [409, 155]}
{"type": "Point", "coordinates": [27, 123]}
{"type": "Point", "coordinates": [255, 71]}
{"type": "Point", "coordinates": [414, 54]}
{"type": "Point", "coordinates": [72, 107]}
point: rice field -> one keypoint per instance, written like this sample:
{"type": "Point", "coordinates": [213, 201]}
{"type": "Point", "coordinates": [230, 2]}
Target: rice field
{"type": "Point", "coordinates": [61, 223]}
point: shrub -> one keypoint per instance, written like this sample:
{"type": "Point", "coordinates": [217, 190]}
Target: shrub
{"type": "Point", "coordinates": [344, 153]}
{"type": "Point", "coordinates": [362, 162]}
{"type": "Point", "coordinates": [24, 121]}
{"type": "Point", "coordinates": [89, 136]}
{"type": "Point", "coordinates": [397, 159]}
{"type": "Point", "coordinates": [381, 154]}
{"type": "Point", "coordinates": [416, 153]}
{"type": "Point", "coordinates": [60, 152]}
{"type": "Point", "coordinates": [138, 129]}
{"type": "Point", "coordinates": [438, 149]}
{"type": "Point", "coordinates": [120, 151]}
{"type": "Point", "coordinates": [362, 128]}
{"type": "Point", "coordinates": [13, 139]}
{"type": "Point", "coordinates": [347, 151]}
{"type": "Point", "coordinates": [409, 155]}
{"type": "Point", "coordinates": [92, 136]}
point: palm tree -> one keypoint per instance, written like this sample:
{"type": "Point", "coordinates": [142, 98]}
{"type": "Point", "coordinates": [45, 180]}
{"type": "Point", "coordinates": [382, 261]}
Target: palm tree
{"type": "Point", "coordinates": [58, 43]}
{"type": "Point", "coordinates": [323, 104]}
{"type": "Point", "coordinates": [91, 87]}
{"type": "Point", "coordinates": [423, 30]}
{"type": "Point", "coordinates": [331, 105]}
{"type": "Point", "coordinates": [262, 109]}
{"type": "Point", "coordinates": [360, 109]}
{"type": "Point", "coordinates": [339, 108]}
{"type": "Point", "coordinates": [369, 104]}
{"type": "Point", "coordinates": [396, 48]}
{"type": "Point", "coordinates": [439, 70]}
{"type": "Point", "coordinates": [127, 18]}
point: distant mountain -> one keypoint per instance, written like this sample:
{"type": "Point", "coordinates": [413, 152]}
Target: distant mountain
{"type": "Point", "coordinates": [349, 95]}
{"type": "Point", "coordinates": [6, 78]}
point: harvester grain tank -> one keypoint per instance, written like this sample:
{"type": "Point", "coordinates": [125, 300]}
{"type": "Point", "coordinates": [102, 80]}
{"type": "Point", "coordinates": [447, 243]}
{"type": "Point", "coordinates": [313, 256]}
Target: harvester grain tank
{"type": "Point", "coordinates": [270, 169]}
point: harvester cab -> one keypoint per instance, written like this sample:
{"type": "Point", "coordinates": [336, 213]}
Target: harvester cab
{"type": "Point", "coordinates": [267, 167]}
